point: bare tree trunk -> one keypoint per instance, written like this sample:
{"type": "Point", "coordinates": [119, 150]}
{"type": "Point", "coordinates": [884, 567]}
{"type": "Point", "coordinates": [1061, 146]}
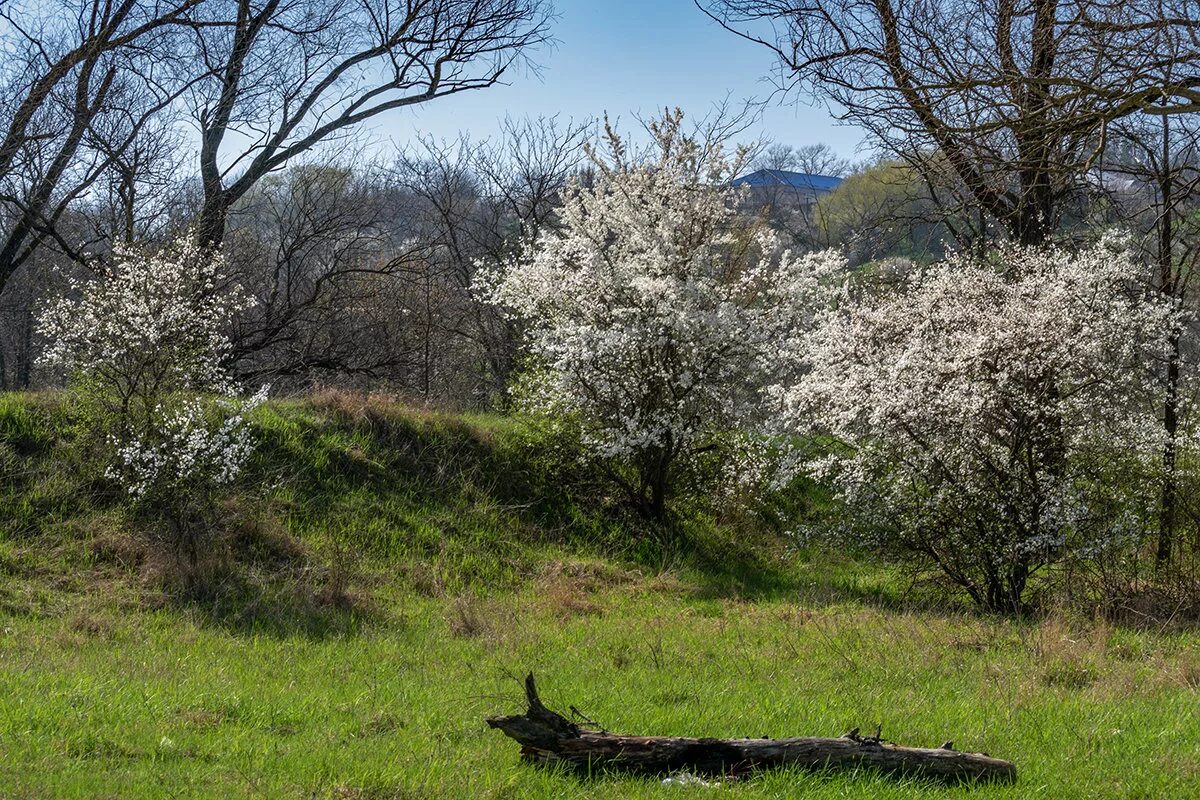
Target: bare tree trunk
{"type": "Point", "coordinates": [1167, 512]}
{"type": "Point", "coordinates": [25, 354]}
{"type": "Point", "coordinates": [654, 482]}
{"type": "Point", "coordinates": [3, 362]}
{"type": "Point", "coordinates": [1166, 522]}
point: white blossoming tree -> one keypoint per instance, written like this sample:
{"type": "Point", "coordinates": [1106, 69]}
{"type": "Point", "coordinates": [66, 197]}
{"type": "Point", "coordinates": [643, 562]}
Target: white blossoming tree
{"type": "Point", "coordinates": [145, 345]}
{"type": "Point", "coordinates": [657, 310]}
{"type": "Point", "coordinates": [972, 407]}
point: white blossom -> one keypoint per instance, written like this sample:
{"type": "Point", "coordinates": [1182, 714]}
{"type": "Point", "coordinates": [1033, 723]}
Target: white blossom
{"type": "Point", "coordinates": [148, 341]}
{"type": "Point", "coordinates": [155, 318]}
{"type": "Point", "coordinates": [963, 404]}
{"type": "Point", "coordinates": [657, 311]}
{"type": "Point", "coordinates": [186, 449]}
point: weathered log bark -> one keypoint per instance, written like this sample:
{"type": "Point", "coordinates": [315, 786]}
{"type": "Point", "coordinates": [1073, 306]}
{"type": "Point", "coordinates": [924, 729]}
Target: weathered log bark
{"type": "Point", "coordinates": [549, 738]}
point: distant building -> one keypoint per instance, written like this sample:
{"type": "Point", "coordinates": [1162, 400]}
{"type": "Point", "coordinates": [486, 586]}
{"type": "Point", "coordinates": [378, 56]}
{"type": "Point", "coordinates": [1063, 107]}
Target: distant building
{"type": "Point", "coordinates": [779, 188]}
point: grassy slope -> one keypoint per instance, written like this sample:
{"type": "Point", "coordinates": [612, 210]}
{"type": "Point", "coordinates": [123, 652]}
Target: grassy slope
{"type": "Point", "coordinates": [311, 672]}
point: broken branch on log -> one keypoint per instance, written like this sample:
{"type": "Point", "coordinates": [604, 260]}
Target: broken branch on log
{"type": "Point", "coordinates": [549, 738]}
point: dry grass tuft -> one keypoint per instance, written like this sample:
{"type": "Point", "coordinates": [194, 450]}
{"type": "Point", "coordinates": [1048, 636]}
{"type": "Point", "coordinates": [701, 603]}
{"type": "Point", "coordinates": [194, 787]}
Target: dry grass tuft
{"type": "Point", "coordinates": [488, 621]}
{"type": "Point", "coordinates": [423, 578]}
{"type": "Point", "coordinates": [1188, 671]}
{"type": "Point", "coordinates": [569, 589]}
{"type": "Point", "coordinates": [1069, 655]}
{"type": "Point", "coordinates": [203, 718]}
{"type": "Point", "coordinates": [588, 576]}
{"type": "Point", "coordinates": [566, 599]}
{"type": "Point", "coordinates": [118, 546]}
{"type": "Point", "coordinates": [381, 723]}
{"type": "Point", "coordinates": [1166, 603]}
{"type": "Point", "coordinates": [92, 625]}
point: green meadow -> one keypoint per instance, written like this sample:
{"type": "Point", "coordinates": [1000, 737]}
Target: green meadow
{"type": "Point", "coordinates": [384, 578]}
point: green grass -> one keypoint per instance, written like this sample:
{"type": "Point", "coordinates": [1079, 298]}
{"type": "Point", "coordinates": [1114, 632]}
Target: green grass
{"type": "Point", "coordinates": [389, 577]}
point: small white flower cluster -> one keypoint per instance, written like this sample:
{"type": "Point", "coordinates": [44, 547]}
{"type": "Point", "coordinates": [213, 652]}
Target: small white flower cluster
{"type": "Point", "coordinates": [148, 340]}
{"type": "Point", "coordinates": [658, 311]}
{"type": "Point", "coordinates": [186, 450]}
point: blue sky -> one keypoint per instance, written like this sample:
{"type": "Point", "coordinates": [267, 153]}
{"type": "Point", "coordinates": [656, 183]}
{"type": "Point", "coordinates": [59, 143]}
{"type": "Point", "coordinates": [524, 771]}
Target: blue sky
{"type": "Point", "coordinates": [626, 57]}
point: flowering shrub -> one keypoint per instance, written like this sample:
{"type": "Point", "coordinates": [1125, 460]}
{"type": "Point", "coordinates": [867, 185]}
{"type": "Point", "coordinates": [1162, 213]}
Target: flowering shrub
{"type": "Point", "coordinates": [187, 450]}
{"type": "Point", "coordinates": [966, 406]}
{"type": "Point", "coordinates": [658, 311]}
{"type": "Point", "coordinates": [155, 324]}
{"type": "Point", "coordinates": [146, 343]}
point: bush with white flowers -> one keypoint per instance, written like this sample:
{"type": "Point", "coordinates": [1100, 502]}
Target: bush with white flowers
{"type": "Point", "coordinates": [146, 344]}
{"type": "Point", "coordinates": [970, 409]}
{"type": "Point", "coordinates": [658, 311]}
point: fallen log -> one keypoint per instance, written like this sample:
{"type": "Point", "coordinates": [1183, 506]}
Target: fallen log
{"type": "Point", "coordinates": [549, 738]}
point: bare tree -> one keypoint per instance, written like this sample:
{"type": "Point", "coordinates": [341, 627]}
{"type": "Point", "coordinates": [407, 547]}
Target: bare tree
{"type": "Point", "coordinates": [320, 246]}
{"type": "Point", "coordinates": [80, 83]}
{"type": "Point", "coordinates": [282, 76]}
{"type": "Point", "coordinates": [367, 274]}
{"type": "Point", "coordinates": [1150, 177]}
{"type": "Point", "coordinates": [813, 159]}
{"type": "Point", "coordinates": [92, 140]}
{"type": "Point", "coordinates": [134, 198]}
{"type": "Point", "coordinates": [479, 204]}
{"type": "Point", "coordinates": [1015, 102]}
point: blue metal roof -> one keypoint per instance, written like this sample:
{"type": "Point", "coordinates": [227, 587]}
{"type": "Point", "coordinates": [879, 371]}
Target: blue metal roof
{"type": "Point", "coordinates": [795, 180]}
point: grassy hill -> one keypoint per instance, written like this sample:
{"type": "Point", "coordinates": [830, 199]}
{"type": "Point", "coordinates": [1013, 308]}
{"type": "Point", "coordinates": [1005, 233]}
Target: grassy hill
{"type": "Point", "coordinates": [382, 577]}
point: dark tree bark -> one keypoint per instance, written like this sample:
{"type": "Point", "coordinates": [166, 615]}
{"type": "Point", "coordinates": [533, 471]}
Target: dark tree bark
{"type": "Point", "coordinates": [1154, 172]}
{"type": "Point", "coordinates": [1167, 280]}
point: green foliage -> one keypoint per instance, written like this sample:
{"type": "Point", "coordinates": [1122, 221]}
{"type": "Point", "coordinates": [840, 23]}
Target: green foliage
{"type": "Point", "coordinates": [45, 478]}
{"type": "Point", "coordinates": [880, 212]}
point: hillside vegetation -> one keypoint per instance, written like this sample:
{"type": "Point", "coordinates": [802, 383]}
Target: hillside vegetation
{"type": "Point", "coordinates": [343, 492]}
{"type": "Point", "coordinates": [382, 577]}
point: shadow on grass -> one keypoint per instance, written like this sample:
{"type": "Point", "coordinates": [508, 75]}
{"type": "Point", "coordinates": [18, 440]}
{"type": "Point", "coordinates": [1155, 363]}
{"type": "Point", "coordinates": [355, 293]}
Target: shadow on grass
{"type": "Point", "coordinates": [857, 781]}
{"type": "Point", "coordinates": [251, 576]}
{"type": "Point", "coordinates": [761, 569]}
{"type": "Point", "coordinates": [259, 579]}
{"type": "Point", "coordinates": [277, 608]}
{"type": "Point", "coordinates": [481, 500]}
{"type": "Point", "coordinates": [445, 504]}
